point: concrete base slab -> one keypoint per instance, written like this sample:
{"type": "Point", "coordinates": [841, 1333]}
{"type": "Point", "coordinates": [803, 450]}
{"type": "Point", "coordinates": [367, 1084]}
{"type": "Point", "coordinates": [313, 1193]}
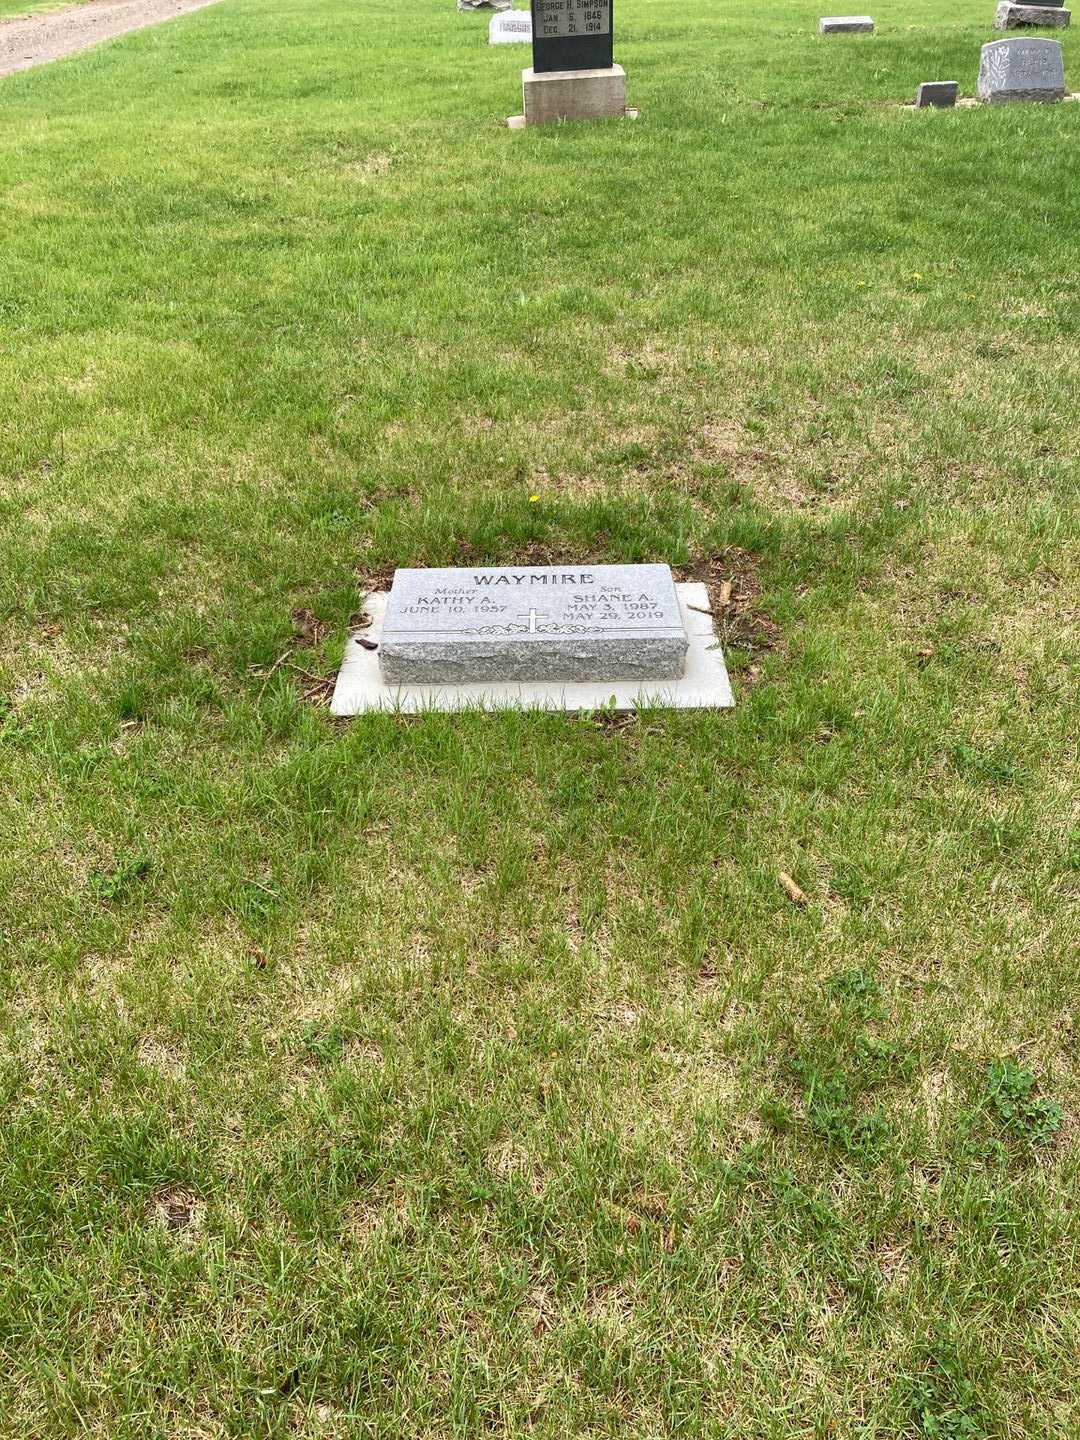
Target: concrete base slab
{"type": "Point", "coordinates": [969, 102]}
{"type": "Point", "coordinates": [704, 686]}
{"type": "Point", "coordinates": [573, 95]}
{"type": "Point", "coordinates": [517, 122]}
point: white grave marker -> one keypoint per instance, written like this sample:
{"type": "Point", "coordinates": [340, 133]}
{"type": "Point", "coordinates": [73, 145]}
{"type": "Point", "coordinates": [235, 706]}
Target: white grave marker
{"type": "Point", "coordinates": [512, 27]}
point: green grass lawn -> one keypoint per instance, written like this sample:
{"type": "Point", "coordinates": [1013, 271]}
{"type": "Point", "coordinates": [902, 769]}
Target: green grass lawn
{"type": "Point", "coordinates": [476, 1076]}
{"type": "Point", "coordinates": [14, 9]}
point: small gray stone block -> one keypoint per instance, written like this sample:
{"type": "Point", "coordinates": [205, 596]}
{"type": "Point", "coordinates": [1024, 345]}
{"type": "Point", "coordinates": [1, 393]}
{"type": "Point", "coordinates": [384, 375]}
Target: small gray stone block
{"type": "Point", "coordinates": [1012, 16]}
{"type": "Point", "coordinates": [939, 94]}
{"type": "Point", "coordinates": [1021, 69]}
{"type": "Point", "coordinates": [533, 622]}
{"type": "Point", "coordinates": [845, 25]}
{"type": "Point", "coordinates": [553, 95]}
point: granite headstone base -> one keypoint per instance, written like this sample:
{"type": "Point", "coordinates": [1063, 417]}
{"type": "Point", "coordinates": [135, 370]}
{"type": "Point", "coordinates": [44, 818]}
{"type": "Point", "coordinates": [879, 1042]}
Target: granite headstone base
{"type": "Point", "coordinates": [581, 660]}
{"type": "Point", "coordinates": [571, 95]}
{"type": "Point", "coordinates": [1012, 16]}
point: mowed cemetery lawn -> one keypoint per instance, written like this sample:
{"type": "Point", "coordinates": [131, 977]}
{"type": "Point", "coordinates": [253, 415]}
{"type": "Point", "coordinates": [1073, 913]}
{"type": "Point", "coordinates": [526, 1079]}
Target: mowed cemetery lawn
{"type": "Point", "coordinates": [17, 9]}
{"type": "Point", "coordinates": [466, 1076]}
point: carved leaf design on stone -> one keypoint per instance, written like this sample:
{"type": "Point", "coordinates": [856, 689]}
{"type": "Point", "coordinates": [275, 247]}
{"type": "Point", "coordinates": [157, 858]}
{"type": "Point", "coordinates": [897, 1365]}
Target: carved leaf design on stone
{"type": "Point", "coordinates": [997, 68]}
{"type": "Point", "coordinates": [560, 629]}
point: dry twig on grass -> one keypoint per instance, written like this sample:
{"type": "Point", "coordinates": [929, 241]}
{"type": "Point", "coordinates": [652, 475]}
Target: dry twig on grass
{"type": "Point", "coordinates": [791, 890]}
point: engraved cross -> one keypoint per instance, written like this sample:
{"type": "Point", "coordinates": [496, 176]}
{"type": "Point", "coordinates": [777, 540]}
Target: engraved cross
{"type": "Point", "coordinates": [532, 617]}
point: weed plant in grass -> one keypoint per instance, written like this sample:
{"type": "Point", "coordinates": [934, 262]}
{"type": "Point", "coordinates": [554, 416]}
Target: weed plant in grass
{"type": "Point", "coordinates": [476, 1074]}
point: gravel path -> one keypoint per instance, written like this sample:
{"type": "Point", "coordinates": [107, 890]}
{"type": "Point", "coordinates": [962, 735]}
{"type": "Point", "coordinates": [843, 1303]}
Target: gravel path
{"type": "Point", "coordinates": [37, 39]}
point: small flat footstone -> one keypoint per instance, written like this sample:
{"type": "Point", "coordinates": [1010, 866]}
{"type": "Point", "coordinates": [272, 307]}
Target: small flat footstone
{"type": "Point", "coordinates": [703, 685]}
{"type": "Point", "coordinates": [1012, 16]}
{"type": "Point", "coordinates": [1021, 69]}
{"type": "Point", "coordinates": [845, 25]}
{"type": "Point", "coordinates": [533, 622]}
{"type": "Point", "coordinates": [937, 94]}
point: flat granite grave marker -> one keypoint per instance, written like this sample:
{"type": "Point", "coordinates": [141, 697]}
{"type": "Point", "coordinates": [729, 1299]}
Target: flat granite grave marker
{"type": "Point", "coordinates": [1021, 69]}
{"type": "Point", "coordinates": [937, 94]}
{"type": "Point", "coordinates": [702, 683]}
{"type": "Point", "coordinates": [845, 25]}
{"type": "Point", "coordinates": [533, 622]}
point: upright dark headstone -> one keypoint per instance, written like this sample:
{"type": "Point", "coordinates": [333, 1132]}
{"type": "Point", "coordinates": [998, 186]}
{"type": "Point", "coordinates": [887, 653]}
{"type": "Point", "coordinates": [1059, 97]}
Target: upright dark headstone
{"type": "Point", "coordinates": [937, 95]}
{"type": "Point", "coordinates": [573, 75]}
{"type": "Point", "coordinates": [572, 35]}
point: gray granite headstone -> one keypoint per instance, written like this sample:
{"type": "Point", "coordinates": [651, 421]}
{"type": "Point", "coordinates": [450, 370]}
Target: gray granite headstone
{"type": "Point", "coordinates": [939, 94]}
{"type": "Point", "coordinates": [533, 622]}
{"type": "Point", "coordinates": [1022, 15]}
{"type": "Point", "coordinates": [1021, 69]}
{"type": "Point", "coordinates": [845, 25]}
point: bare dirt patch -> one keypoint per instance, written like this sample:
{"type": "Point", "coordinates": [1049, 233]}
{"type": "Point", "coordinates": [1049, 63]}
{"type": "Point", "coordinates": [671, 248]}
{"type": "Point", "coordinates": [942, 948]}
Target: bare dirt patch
{"type": "Point", "coordinates": [37, 39]}
{"type": "Point", "coordinates": [768, 474]}
{"type": "Point", "coordinates": [308, 633]}
{"type": "Point", "coordinates": [734, 585]}
{"type": "Point", "coordinates": [175, 1208]}
{"type": "Point", "coordinates": [371, 167]}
